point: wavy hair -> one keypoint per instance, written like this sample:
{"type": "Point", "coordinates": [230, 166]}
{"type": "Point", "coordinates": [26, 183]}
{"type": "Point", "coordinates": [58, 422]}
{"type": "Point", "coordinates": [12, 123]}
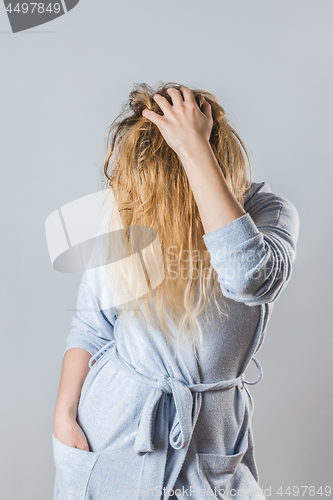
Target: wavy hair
{"type": "Point", "coordinates": [152, 191]}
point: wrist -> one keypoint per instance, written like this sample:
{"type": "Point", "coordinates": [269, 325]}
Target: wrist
{"type": "Point", "coordinates": [195, 148]}
{"type": "Point", "coordinates": [65, 411]}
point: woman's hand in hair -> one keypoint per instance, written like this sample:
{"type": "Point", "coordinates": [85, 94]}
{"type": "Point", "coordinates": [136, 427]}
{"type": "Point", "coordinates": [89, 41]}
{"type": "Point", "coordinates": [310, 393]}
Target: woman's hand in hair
{"type": "Point", "coordinates": [183, 124]}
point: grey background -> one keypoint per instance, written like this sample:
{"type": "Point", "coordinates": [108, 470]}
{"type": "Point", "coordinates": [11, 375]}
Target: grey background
{"type": "Point", "coordinates": [270, 65]}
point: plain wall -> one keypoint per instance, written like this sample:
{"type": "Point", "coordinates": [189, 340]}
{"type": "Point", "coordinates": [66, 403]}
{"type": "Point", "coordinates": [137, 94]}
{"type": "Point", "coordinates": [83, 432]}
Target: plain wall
{"type": "Point", "coordinates": [62, 83]}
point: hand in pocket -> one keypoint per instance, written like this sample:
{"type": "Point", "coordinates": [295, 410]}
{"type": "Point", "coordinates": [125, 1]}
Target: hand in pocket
{"type": "Point", "coordinates": [67, 430]}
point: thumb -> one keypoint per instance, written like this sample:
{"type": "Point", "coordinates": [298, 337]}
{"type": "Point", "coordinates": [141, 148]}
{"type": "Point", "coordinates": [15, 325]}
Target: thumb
{"type": "Point", "coordinates": [206, 108]}
{"type": "Point", "coordinates": [152, 116]}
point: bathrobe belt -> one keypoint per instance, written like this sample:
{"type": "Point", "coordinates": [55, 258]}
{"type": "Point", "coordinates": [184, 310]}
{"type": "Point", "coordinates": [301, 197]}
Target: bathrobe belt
{"type": "Point", "coordinates": [152, 437]}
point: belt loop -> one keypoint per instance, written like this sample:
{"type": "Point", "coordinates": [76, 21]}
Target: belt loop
{"type": "Point", "coordinates": [92, 359]}
{"type": "Point", "coordinates": [100, 352]}
{"type": "Point", "coordinates": [260, 373]}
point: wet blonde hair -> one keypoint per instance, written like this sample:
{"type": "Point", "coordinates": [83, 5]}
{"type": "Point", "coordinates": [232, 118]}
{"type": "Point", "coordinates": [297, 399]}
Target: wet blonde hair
{"type": "Point", "coordinates": [151, 189]}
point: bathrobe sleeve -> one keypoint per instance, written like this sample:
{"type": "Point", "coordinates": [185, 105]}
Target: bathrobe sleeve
{"type": "Point", "coordinates": [253, 254]}
{"type": "Point", "coordinates": [92, 327]}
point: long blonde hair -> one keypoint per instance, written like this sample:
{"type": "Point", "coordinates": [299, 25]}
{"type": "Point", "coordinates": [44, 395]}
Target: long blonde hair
{"type": "Point", "coordinates": [151, 189]}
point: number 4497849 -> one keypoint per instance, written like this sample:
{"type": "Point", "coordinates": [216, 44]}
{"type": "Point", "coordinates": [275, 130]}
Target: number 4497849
{"type": "Point", "coordinates": [31, 7]}
{"type": "Point", "coordinates": [296, 491]}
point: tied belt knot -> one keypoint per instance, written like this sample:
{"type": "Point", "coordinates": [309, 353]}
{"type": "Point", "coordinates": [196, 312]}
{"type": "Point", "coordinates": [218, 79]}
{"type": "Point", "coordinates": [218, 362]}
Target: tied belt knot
{"type": "Point", "coordinates": [184, 422]}
{"type": "Point", "coordinates": [153, 430]}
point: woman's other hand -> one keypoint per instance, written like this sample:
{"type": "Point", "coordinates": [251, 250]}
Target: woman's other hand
{"type": "Point", "coordinates": [183, 124]}
{"type": "Point", "coordinates": [67, 430]}
{"type": "Point", "coordinates": [73, 374]}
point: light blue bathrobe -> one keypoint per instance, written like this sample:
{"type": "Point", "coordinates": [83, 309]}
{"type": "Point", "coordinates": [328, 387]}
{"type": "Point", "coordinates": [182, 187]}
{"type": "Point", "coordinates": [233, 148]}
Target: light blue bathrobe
{"type": "Point", "coordinates": [162, 429]}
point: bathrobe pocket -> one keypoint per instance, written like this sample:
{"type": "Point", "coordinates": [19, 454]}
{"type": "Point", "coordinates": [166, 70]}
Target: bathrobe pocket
{"type": "Point", "coordinates": [73, 470]}
{"type": "Point", "coordinates": [216, 470]}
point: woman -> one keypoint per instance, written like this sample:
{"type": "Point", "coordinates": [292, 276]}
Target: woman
{"type": "Point", "coordinates": [159, 408]}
